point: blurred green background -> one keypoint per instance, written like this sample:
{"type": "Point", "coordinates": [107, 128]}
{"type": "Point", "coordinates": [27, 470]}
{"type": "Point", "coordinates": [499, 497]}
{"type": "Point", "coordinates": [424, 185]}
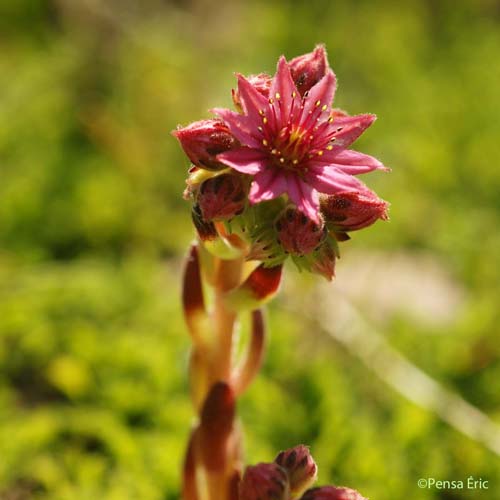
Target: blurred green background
{"type": "Point", "coordinates": [93, 390]}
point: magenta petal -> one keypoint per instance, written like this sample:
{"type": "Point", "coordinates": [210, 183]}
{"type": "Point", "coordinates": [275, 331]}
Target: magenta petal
{"type": "Point", "coordinates": [319, 96]}
{"type": "Point", "coordinates": [331, 180]}
{"type": "Point", "coordinates": [239, 125]}
{"type": "Point", "coordinates": [267, 185]}
{"type": "Point", "coordinates": [354, 163]}
{"type": "Point", "coordinates": [345, 130]}
{"type": "Point", "coordinates": [244, 160]}
{"type": "Point", "coordinates": [251, 99]}
{"type": "Point", "coordinates": [304, 196]}
{"type": "Point", "coordinates": [349, 161]}
{"type": "Point", "coordinates": [284, 94]}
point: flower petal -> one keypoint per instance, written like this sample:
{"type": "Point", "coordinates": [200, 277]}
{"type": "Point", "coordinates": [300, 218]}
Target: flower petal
{"type": "Point", "coordinates": [350, 162]}
{"type": "Point", "coordinates": [355, 158]}
{"type": "Point", "coordinates": [331, 180]}
{"type": "Point", "coordinates": [304, 196]}
{"type": "Point", "coordinates": [319, 99]}
{"type": "Point", "coordinates": [267, 185]}
{"type": "Point", "coordinates": [284, 94]}
{"type": "Point", "coordinates": [240, 126]}
{"type": "Point", "coordinates": [251, 99]}
{"type": "Point", "coordinates": [244, 160]}
{"type": "Point", "coordinates": [345, 130]}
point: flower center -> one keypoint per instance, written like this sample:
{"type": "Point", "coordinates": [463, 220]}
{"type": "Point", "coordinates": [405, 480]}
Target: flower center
{"type": "Point", "coordinates": [292, 145]}
{"type": "Point", "coordinates": [289, 147]}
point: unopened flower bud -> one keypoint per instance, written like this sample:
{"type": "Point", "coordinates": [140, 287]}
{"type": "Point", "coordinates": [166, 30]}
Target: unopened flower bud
{"type": "Point", "coordinates": [355, 210]}
{"type": "Point", "coordinates": [300, 467]}
{"type": "Point", "coordinates": [261, 83]}
{"type": "Point", "coordinates": [264, 482]}
{"type": "Point", "coordinates": [332, 493]}
{"type": "Point", "coordinates": [324, 261]}
{"type": "Point", "coordinates": [202, 141]}
{"type": "Point", "coordinates": [222, 197]}
{"type": "Point", "coordinates": [309, 69]}
{"type": "Point", "coordinates": [297, 233]}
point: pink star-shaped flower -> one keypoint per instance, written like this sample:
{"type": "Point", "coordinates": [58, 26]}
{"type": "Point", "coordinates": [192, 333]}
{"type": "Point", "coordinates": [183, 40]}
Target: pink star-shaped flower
{"type": "Point", "coordinates": [295, 145]}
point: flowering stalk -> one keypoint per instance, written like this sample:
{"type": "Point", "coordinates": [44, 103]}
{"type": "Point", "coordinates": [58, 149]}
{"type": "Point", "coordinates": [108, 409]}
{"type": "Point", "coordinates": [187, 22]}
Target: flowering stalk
{"type": "Point", "coordinates": [272, 180]}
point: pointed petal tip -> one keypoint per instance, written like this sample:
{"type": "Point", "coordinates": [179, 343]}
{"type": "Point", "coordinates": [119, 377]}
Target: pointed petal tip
{"type": "Point", "coordinates": [216, 111]}
{"type": "Point", "coordinates": [220, 112]}
{"type": "Point", "coordinates": [282, 68]}
{"type": "Point", "coordinates": [282, 60]}
{"type": "Point", "coordinates": [240, 76]}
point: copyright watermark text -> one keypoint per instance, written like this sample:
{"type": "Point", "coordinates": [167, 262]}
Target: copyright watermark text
{"type": "Point", "coordinates": [471, 483]}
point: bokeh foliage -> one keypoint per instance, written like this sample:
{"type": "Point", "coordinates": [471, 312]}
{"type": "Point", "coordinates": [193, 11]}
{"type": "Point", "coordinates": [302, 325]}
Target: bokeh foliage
{"type": "Point", "coordinates": [93, 390]}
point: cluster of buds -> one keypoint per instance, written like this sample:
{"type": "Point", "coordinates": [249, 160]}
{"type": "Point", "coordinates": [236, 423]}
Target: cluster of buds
{"type": "Point", "coordinates": [288, 478]}
{"type": "Point", "coordinates": [275, 179]}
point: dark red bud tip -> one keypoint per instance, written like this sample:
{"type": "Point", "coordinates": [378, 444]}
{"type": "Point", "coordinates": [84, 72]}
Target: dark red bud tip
{"type": "Point", "coordinates": [206, 230]}
{"type": "Point", "coordinates": [192, 293]}
{"type": "Point", "coordinates": [217, 414]}
{"type": "Point", "coordinates": [263, 281]}
{"type": "Point", "coordinates": [202, 141]}
{"type": "Point", "coordinates": [297, 233]}
{"type": "Point", "coordinates": [216, 424]}
{"type": "Point", "coordinates": [222, 197]}
{"type": "Point", "coordinates": [264, 482]}
{"type": "Point", "coordinates": [307, 70]}
{"type": "Point", "coordinates": [300, 467]}
{"type": "Point", "coordinates": [332, 493]}
{"type": "Point", "coordinates": [355, 210]}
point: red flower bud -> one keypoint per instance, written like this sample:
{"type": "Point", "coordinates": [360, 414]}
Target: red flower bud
{"type": "Point", "coordinates": [332, 493]}
{"type": "Point", "coordinates": [222, 197]}
{"type": "Point", "coordinates": [309, 69]}
{"type": "Point", "coordinates": [300, 467]}
{"type": "Point", "coordinates": [355, 210]}
{"type": "Point", "coordinates": [261, 83]}
{"type": "Point", "coordinates": [202, 141]}
{"type": "Point", "coordinates": [324, 261]}
{"type": "Point", "coordinates": [297, 233]}
{"type": "Point", "coordinates": [264, 482]}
